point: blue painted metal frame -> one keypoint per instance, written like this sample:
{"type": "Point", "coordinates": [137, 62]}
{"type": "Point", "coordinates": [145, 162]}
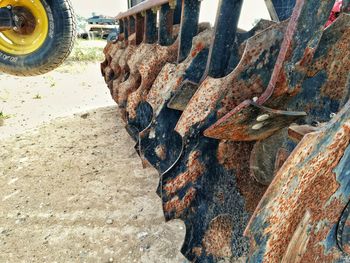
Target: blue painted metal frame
{"type": "Point", "coordinates": [121, 26]}
{"type": "Point", "coordinates": [189, 26]}
{"type": "Point", "coordinates": [283, 8]}
{"type": "Point", "coordinates": [131, 24]}
{"type": "Point", "coordinates": [139, 28]}
{"type": "Point", "coordinates": [126, 29]}
{"type": "Point", "coordinates": [224, 38]}
{"type": "Point", "coordinates": [177, 12]}
{"type": "Point", "coordinates": [166, 20]}
{"type": "Point", "coordinates": [151, 35]}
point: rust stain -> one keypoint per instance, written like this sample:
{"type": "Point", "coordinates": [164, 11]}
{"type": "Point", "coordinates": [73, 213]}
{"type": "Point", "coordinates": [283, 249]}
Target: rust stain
{"type": "Point", "coordinates": [288, 208]}
{"type": "Point", "coordinates": [149, 67]}
{"type": "Point", "coordinates": [178, 205]}
{"type": "Point", "coordinates": [226, 93]}
{"type": "Point", "coordinates": [235, 156]}
{"type": "Point", "coordinates": [194, 170]}
{"type": "Point", "coordinates": [200, 106]}
{"type": "Point", "coordinates": [198, 47]}
{"type": "Point", "coordinates": [197, 251]}
{"type": "Point", "coordinates": [134, 80]}
{"type": "Point", "coordinates": [306, 59]}
{"type": "Point", "coordinates": [161, 152]}
{"type": "Point", "coordinates": [162, 89]}
{"type": "Point", "coordinates": [336, 62]}
{"type": "Point", "coordinates": [218, 238]}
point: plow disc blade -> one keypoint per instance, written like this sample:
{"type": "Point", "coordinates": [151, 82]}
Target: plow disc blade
{"type": "Point", "coordinates": [300, 213]}
{"type": "Point", "coordinates": [149, 67]}
{"type": "Point", "coordinates": [244, 128]}
{"type": "Point", "coordinates": [323, 92]}
{"type": "Point", "coordinates": [194, 184]}
{"type": "Point", "coordinates": [158, 142]}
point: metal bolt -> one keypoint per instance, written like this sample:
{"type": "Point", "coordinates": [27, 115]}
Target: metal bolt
{"type": "Point", "coordinates": [263, 117]}
{"type": "Point", "coordinates": [258, 126]}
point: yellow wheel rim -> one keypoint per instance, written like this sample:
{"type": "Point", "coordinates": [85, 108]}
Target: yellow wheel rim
{"type": "Point", "coordinates": [15, 42]}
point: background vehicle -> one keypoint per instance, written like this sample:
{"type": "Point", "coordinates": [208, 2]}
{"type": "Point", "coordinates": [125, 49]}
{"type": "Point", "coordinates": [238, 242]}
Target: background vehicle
{"type": "Point", "coordinates": [101, 20]}
{"type": "Point", "coordinates": [35, 36]}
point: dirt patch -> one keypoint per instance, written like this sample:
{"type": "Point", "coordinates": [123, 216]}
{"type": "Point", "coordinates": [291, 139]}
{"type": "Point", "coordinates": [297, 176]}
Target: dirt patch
{"type": "Point", "coordinates": [31, 101]}
{"type": "Point", "coordinates": [74, 190]}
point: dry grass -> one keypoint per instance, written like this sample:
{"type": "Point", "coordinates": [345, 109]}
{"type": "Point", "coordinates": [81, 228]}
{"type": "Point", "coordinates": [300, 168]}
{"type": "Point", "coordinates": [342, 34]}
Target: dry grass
{"type": "Point", "coordinates": [87, 51]}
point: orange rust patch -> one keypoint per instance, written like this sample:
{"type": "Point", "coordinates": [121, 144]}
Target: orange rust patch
{"type": "Point", "coordinates": [178, 205]}
{"type": "Point", "coordinates": [161, 152]}
{"type": "Point", "coordinates": [197, 251]}
{"type": "Point", "coordinates": [200, 106]}
{"type": "Point", "coordinates": [337, 65]}
{"type": "Point", "coordinates": [235, 156]}
{"type": "Point", "coordinates": [218, 238]}
{"type": "Point", "coordinates": [199, 46]}
{"type": "Point", "coordinates": [311, 187]}
{"type": "Point", "coordinates": [153, 60]}
{"type": "Point", "coordinates": [194, 170]}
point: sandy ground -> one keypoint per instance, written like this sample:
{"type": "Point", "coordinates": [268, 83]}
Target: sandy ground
{"type": "Point", "coordinates": [32, 101]}
{"type": "Point", "coordinates": [73, 190]}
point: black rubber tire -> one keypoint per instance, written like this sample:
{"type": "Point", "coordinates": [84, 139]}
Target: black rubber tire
{"type": "Point", "coordinates": [56, 48]}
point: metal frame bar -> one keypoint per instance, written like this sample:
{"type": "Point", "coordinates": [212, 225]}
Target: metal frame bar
{"type": "Point", "coordinates": [131, 25]}
{"type": "Point", "coordinates": [121, 26]}
{"type": "Point", "coordinates": [224, 37]}
{"type": "Point", "coordinates": [126, 29]}
{"type": "Point", "coordinates": [142, 7]}
{"type": "Point", "coordinates": [189, 27]}
{"type": "Point", "coordinates": [280, 10]}
{"type": "Point", "coordinates": [139, 28]}
{"type": "Point", "coordinates": [165, 31]}
{"type": "Point", "coordinates": [272, 10]}
{"type": "Point", "coordinates": [177, 12]}
{"type": "Point", "coordinates": [150, 31]}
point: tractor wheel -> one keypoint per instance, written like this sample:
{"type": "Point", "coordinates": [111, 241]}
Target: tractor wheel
{"type": "Point", "coordinates": [43, 39]}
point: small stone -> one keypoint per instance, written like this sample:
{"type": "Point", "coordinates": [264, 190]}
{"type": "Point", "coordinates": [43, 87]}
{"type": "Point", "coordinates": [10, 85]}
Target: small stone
{"type": "Point", "coordinates": [84, 116]}
{"type": "Point", "coordinates": [109, 221]}
{"type": "Point", "coordinates": [145, 248]}
{"type": "Point", "coordinates": [142, 235]}
{"type": "Point", "coordinates": [110, 260]}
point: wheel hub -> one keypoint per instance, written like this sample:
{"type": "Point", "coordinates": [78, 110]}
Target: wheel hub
{"type": "Point", "coordinates": [29, 29]}
{"type": "Point", "coordinates": [25, 22]}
